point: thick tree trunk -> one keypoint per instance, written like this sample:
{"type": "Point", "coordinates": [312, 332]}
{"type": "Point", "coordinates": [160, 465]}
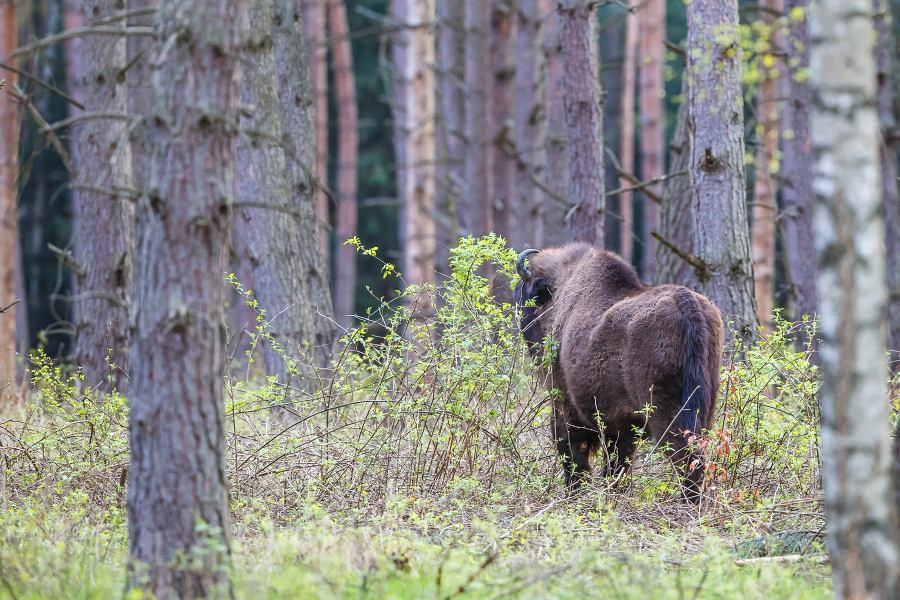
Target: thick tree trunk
{"type": "Point", "coordinates": [104, 220]}
{"type": "Point", "coordinates": [556, 174]}
{"type": "Point", "coordinates": [718, 194]}
{"type": "Point", "coordinates": [612, 48]}
{"type": "Point", "coordinates": [315, 26]}
{"type": "Point", "coordinates": [529, 109]}
{"type": "Point", "coordinates": [862, 531]}
{"type": "Point", "coordinates": [177, 478]}
{"type": "Point", "coordinates": [584, 119]}
{"type": "Point", "coordinates": [765, 187]}
{"type": "Point", "coordinates": [885, 49]}
{"type": "Point", "coordinates": [502, 72]}
{"type": "Point", "coordinates": [476, 210]}
{"type": "Point", "coordinates": [345, 173]}
{"type": "Point", "coordinates": [796, 168]}
{"type": "Point", "coordinates": [140, 93]}
{"type": "Point", "coordinates": [9, 186]}
{"type": "Point", "coordinates": [271, 227]}
{"type": "Point", "coordinates": [299, 138]}
{"type": "Point", "coordinates": [676, 224]}
{"type": "Point", "coordinates": [451, 143]}
{"type": "Point", "coordinates": [626, 147]}
{"type": "Point", "coordinates": [414, 56]}
{"type": "Point", "coordinates": [653, 134]}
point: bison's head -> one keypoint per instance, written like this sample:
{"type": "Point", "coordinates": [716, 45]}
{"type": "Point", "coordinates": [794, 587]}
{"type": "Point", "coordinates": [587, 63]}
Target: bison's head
{"type": "Point", "coordinates": [533, 293]}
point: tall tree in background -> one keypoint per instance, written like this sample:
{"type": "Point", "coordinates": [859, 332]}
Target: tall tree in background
{"type": "Point", "coordinates": [584, 119]}
{"type": "Point", "coordinates": [177, 476]}
{"type": "Point", "coordinates": [265, 212]}
{"type": "Point", "coordinates": [476, 210]}
{"type": "Point", "coordinates": [315, 27]}
{"type": "Point", "coordinates": [886, 106]}
{"type": "Point", "coordinates": [716, 126]}
{"type": "Point", "coordinates": [414, 55]}
{"type": "Point", "coordinates": [9, 185]}
{"type": "Point", "coordinates": [529, 108]}
{"type": "Point", "coordinates": [626, 146]}
{"type": "Point", "coordinates": [299, 139]}
{"type": "Point", "coordinates": [796, 168]}
{"type": "Point", "coordinates": [765, 187]}
{"type": "Point", "coordinates": [451, 142]}
{"type": "Point", "coordinates": [859, 500]}
{"type": "Point", "coordinates": [347, 156]}
{"type": "Point", "coordinates": [652, 20]}
{"type": "Point", "coordinates": [104, 213]}
{"type": "Point", "coordinates": [552, 225]}
{"type": "Point", "coordinates": [502, 74]}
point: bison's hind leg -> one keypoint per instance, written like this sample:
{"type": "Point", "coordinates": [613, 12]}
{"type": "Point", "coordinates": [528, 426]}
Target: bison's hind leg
{"type": "Point", "coordinates": [621, 442]}
{"type": "Point", "coordinates": [575, 444]}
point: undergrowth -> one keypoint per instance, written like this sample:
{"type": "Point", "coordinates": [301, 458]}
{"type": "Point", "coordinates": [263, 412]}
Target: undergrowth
{"type": "Point", "coordinates": [420, 464]}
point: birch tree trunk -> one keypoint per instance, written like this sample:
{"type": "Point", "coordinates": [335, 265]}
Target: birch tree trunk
{"type": "Point", "coordinates": [718, 195]}
{"type": "Point", "coordinates": [503, 73]}
{"type": "Point", "coordinates": [862, 530]}
{"type": "Point", "coordinates": [626, 148]}
{"type": "Point", "coordinates": [9, 202]}
{"type": "Point", "coordinates": [884, 97]}
{"type": "Point", "coordinates": [266, 214]}
{"type": "Point", "coordinates": [345, 173]}
{"type": "Point", "coordinates": [315, 26]}
{"type": "Point", "coordinates": [450, 170]}
{"type": "Point", "coordinates": [796, 169]}
{"type": "Point", "coordinates": [414, 54]}
{"type": "Point", "coordinates": [653, 162]}
{"type": "Point", "coordinates": [765, 188]}
{"type": "Point", "coordinates": [529, 108]}
{"type": "Point", "coordinates": [476, 210]}
{"type": "Point", "coordinates": [177, 478]}
{"type": "Point", "coordinates": [553, 230]}
{"type": "Point", "coordinates": [584, 119]}
{"type": "Point", "coordinates": [104, 220]}
{"type": "Point", "coordinates": [299, 139]}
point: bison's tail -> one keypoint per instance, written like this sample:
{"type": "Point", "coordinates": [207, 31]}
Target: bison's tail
{"type": "Point", "coordinates": [699, 384]}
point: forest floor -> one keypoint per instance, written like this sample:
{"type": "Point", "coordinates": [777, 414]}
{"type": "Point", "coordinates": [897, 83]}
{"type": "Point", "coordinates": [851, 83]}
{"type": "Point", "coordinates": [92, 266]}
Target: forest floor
{"type": "Point", "coordinates": [421, 466]}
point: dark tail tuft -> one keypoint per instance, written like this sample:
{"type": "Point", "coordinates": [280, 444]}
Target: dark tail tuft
{"type": "Point", "coordinates": [698, 386]}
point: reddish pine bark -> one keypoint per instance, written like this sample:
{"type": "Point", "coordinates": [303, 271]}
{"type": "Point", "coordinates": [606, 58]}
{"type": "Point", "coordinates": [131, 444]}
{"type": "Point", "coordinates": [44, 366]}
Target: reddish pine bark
{"type": "Point", "coordinates": [315, 26]}
{"type": "Point", "coordinates": [584, 119]}
{"type": "Point", "coordinates": [177, 478]}
{"type": "Point", "coordinates": [104, 220]}
{"type": "Point", "coordinates": [9, 185]}
{"type": "Point", "coordinates": [652, 55]}
{"type": "Point", "coordinates": [626, 147]}
{"type": "Point", "coordinates": [347, 155]}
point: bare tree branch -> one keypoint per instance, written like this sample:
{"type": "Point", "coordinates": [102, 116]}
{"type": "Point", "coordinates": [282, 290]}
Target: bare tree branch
{"type": "Point", "coordinates": [41, 83]}
{"type": "Point", "coordinates": [42, 43]}
{"type": "Point", "coordinates": [84, 117]}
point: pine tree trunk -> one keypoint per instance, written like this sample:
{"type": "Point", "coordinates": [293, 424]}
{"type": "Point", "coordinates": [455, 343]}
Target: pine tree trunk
{"type": "Point", "coordinates": [177, 478]}
{"type": "Point", "coordinates": [315, 26]}
{"type": "Point", "coordinates": [265, 212]}
{"type": "Point", "coordinates": [104, 220]}
{"type": "Point", "coordinates": [885, 49]}
{"type": "Point", "coordinates": [451, 143]}
{"type": "Point", "coordinates": [299, 138]}
{"type": "Point", "coordinates": [765, 187]}
{"type": "Point", "coordinates": [584, 119]}
{"type": "Point", "coordinates": [9, 186]}
{"type": "Point", "coordinates": [345, 173]}
{"type": "Point", "coordinates": [718, 195]}
{"type": "Point", "coordinates": [653, 144]}
{"type": "Point", "coordinates": [676, 223]}
{"type": "Point", "coordinates": [529, 108]}
{"type": "Point", "coordinates": [414, 55]}
{"type": "Point", "coordinates": [859, 501]}
{"type": "Point", "coordinates": [140, 57]}
{"type": "Point", "coordinates": [796, 169]}
{"type": "Point", "coordinates": [626, 144]}
{"type": "Point", "coordinates": [553, 230]}
{"type": "Point", "coordinates": [476, 210]}
{"type": "Point", "coordinates": [503, 73]}
{"type": "Point", "coordinates": [612, 48]}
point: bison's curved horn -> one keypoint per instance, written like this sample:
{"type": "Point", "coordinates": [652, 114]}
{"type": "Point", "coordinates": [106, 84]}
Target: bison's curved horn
{"type": "Point", "coordinates": [521, 269]}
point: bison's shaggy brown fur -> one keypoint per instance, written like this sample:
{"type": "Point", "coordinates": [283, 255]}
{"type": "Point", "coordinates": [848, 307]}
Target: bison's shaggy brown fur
{"type": "Point", "coordinates": [621, 347]}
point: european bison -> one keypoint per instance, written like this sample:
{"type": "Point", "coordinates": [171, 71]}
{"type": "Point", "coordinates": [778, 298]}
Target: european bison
{"type": "Point", "coordinates": [620, 346]}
